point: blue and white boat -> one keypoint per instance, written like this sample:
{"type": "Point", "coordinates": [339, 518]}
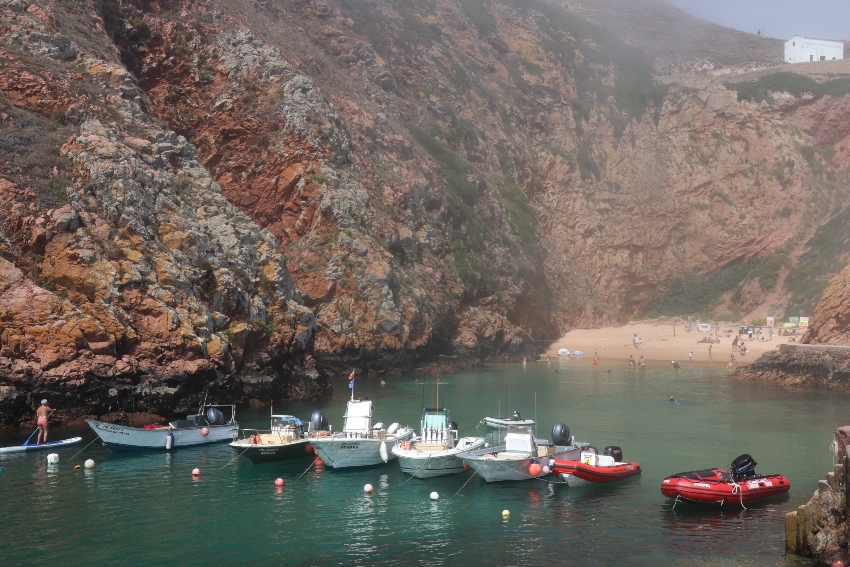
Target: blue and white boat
{"type": "Point", "coordinates": [436, 452]}
{"type": "Point", "coordinates": [198, 429]}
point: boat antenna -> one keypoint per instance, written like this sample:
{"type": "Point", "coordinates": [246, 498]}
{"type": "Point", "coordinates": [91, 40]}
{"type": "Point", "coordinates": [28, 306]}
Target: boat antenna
{"type": "Point", "coordinates": [535, 415]}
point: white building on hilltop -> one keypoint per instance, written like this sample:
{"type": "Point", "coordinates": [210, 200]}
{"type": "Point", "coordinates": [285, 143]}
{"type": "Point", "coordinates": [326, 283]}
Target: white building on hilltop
{"type": "Point", "coordinates": [799, 49]}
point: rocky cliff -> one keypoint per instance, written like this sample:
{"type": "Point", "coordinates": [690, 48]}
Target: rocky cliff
{"type": "Point", "coordinates": [253, 193]}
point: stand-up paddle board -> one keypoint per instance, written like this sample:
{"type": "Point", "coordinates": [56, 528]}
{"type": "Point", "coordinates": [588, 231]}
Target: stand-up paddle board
{"type": "Point", "coordinates": [48, 445]}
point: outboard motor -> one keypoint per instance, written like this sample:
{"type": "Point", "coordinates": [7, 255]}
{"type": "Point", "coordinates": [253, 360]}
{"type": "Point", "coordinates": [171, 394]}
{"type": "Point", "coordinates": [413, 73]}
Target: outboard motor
{"type": "Point", "coordinates": [516, 414]}
{"type": "Point", "coordinates": [560, 434]}
{"type": "Point", "coordinates": [613, 451]}
{"type": "Point", "coordinates": [319, 421]}
{"type": "Point", "coordinates": [214, 416]}
{"type": "Point", "coordinates": [453, 426]}
{"type": "Point", "coordinates": [743, 467]}
{"type": "Point", "coordinates": [379, 425]}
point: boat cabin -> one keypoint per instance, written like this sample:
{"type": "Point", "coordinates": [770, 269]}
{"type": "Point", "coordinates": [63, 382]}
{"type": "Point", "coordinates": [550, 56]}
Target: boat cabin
{"type": "Point", "coordinates": [519, 440]}
{"type": "Point", "coordinates": [286, 423]}
{"type": "Point", "coordinates": [358, 419]}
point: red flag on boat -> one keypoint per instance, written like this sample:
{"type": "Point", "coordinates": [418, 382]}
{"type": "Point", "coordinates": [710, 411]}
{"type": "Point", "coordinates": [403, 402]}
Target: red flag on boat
{"type": "Point", "coordinates": [351, 376]}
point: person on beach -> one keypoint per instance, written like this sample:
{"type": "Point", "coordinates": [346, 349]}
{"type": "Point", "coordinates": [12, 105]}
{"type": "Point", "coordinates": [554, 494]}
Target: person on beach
{"type": "Point", "coordinates": [636, 341]}
{"type": "Point", "coordinates": [631, 361]}
{"type": "Point", "coordinates": [709, 352]}
{"type": "Point", "coordinates": [732, 361]}
{"type": "Point", "coordinates": [735, 342]}
{"type": "Point", "coordinates": [595, 360]}
{"type": "Point", "coordinates": [641, 362]}
{"type": "Point", "coordinates": [690, 356]}
{"type": "Point", "coordinates": [41, 415]}
{"type": "Point", "coordinates": [674, 364]}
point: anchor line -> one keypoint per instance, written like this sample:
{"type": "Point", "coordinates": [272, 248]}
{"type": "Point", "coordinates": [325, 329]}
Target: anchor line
{"type": "Point", "coordinates": [84, 448]}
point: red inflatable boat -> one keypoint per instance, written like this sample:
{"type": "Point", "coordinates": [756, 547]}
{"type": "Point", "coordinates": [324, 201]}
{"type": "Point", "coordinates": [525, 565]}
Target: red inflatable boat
{"type": "Point", "coordinates": [718, 486]}
{"type": "Point", "coordinates": [595, 469]}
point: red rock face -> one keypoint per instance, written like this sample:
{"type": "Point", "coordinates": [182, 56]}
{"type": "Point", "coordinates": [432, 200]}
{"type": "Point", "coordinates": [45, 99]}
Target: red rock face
{"type": "Point", "coordinates": [830, 323]}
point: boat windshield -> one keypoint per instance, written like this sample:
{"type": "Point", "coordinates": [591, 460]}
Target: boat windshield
{"type": "Point", "coordinates": [281, 421]}
{"type": "Point", "coordinates": [435, 419]}
{"type": "Point", "coordinates": [519, 430]}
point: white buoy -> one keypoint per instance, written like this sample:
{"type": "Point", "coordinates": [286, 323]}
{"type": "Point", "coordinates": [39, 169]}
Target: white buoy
{"type": "Point", "coordinates": [53, 458]}
{"type": "Point", "coordinates": [435, 496]}
{"type": "Point", "coordinates": [196, 472]}
{"type": "Point", "coordinates": [546, 469]}
{"type": "Point", "coordinates": [383, 451]}
{"type": "Point", "coordinates": [89, 464]}
{"type": "Point", "coordinates": [506, 513]}
{"type": "Point", "coordinates": [169, 441]}
{"type": "Point", "coordinates": [367, 489]}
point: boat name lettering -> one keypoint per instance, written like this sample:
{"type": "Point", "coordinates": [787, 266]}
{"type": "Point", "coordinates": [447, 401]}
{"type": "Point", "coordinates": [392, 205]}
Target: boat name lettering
{"type": "Point", "coordinates": [112, 429]}
{"type": "Point", "coordinates": [702, 485]}
{"type": "Point", "coordinates": [630, 467]}
{"type": "Point", "coordinates": [349, 445]}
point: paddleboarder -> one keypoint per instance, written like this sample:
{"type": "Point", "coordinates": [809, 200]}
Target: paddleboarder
{"type": "Point", "coordinates": [41, 415]}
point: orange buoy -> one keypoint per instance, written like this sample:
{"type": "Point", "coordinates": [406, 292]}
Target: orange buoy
{"type": "Point", "coordinates": [466, 465]}
{"type": "Point", "coordinates": [310, 450]}
{"type": "Point", "coordinates": [196, 472]}
{"type": "Point", "coordinates": [205, 431]}
{"type": "Point", "coordinates": [319, 461]}
{"type": "Point", "coordinates": [278, 482]}
{"type": "Point", "coordinates": [534, 469]}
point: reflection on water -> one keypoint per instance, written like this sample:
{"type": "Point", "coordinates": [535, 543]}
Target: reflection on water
{"type": "Point", "coordinates": [148, 506]}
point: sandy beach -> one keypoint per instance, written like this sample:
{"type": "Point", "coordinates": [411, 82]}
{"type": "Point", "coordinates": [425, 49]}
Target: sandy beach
{"type": "Point", "coordinates": [660, 344]}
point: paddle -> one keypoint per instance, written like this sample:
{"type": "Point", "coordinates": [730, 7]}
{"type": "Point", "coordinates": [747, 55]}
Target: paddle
{"type": "Point", "coordinates": [27, 442]}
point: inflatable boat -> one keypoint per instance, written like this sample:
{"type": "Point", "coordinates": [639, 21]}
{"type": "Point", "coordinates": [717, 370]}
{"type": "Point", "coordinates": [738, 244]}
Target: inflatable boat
{"type": "Point", "coordinates": [712, 486]}
{"type": "Point", "coordinates": [596, 469]}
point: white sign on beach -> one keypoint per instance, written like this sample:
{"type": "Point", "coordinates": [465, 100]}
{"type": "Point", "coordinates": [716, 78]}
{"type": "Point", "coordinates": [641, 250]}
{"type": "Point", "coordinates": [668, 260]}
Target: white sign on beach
{"type": "Point", "coordinates": [770, 321]}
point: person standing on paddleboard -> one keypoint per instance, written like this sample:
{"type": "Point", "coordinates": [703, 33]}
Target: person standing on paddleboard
{"type": "Point", "coordinates": [41, 415]}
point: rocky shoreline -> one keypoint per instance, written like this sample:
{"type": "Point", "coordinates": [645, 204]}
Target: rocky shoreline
{"type": "Point", "coordinates": [813, 366]}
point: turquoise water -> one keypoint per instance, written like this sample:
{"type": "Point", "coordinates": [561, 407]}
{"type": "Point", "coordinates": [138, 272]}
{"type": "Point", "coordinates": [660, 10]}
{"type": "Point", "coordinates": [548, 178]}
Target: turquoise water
{"type": "Point", "coordinates": [146, 509]}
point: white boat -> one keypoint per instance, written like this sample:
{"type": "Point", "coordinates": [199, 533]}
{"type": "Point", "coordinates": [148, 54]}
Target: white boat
{"type": "Point", "coordinates": [563, 352]}
{"type": "Point", "coordinates": [437, 450]}
{"type": "Point", "coordinates": [522, 457]}
{"type": "Point", "coordinates": [284, 440]}
{"type": "Point", "coordinates": [359, 444]}
{"type": "Point", "coordinates": [197, 429]}
{"type": "Point", "coordinates": [49, 445]}
{"type": "Point", "coordinates": [508, 421]}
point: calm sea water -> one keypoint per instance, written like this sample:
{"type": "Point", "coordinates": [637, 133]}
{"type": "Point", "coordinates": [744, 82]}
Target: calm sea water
{"type": "Point", "coordinates": [146, 509]}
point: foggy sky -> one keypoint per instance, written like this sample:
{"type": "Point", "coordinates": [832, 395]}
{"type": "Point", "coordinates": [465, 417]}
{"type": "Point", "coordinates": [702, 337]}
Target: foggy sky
{"type": "Point", "coordinates": [824, 19]}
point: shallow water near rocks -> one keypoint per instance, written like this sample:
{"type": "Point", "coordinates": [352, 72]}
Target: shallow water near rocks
{"type": "Point", "coordinates": [146, 509]}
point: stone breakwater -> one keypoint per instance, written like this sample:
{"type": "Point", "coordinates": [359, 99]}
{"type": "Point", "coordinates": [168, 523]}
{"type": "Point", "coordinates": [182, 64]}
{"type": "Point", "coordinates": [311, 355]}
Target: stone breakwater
{"type": "Point", "coordinates": [819, 366]}
{"type": "Point", "coordinates": [819, 528]}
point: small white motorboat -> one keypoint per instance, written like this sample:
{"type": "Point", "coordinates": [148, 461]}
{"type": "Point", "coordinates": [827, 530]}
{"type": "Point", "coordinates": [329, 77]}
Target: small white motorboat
{"type": "Point", "coordinates": [49, 445]}
{"type": "Point", "coordinates": [360, 444]}
{"type": "Point", "coordinates": [507, 421]}
{"type": "Point", "coordinates": [198, 429]}
{"type": "Point", "coordinates": [437, 451]}
{"type": "Point", "coordinates": [523, 457]}
{"type": "Point", "coordinates": [563, 352]}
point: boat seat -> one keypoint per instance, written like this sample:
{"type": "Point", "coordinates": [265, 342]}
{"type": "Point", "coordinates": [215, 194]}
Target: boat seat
{"type": "Point", "coordinates": [513, 456]}
{"type": "Point", "coordinates": [605, 461]}
{"type": "Point", "coordinates": [429, 446]}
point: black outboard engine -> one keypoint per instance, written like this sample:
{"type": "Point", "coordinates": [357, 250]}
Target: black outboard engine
{"type": "Point", "coordinates": [743, 467]}
{"type": "Point", "coordinates": [560, 434]}
{"type": "Point", "coordinates": [214, 416]}
{"type": "Point", "coordinates": [454, 426]}
{"type": "Point", "coordinates": [319, 421]}
{"type": "Point", "coordinates": [516, 414]}
{"type": "Point", "coordinates": [614, 451]}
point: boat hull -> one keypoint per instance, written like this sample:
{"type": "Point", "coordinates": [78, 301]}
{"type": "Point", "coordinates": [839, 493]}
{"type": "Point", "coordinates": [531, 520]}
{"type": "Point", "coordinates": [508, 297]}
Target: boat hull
{"type": "Point", "coordinates": [272, 452]}
{"type": "Point", "coordinates": [426, 464]}
{"type": "Point", "coordinates": [499, 422]}
{"type": "Point", "coordinates": [496, 469]}
{"type": "Point", "coordinates": [576, 473]}
{"type": "Point", "coordinates": [708, 491]}
{"type": "Point", "coordinates": [123, 438]}
{"type": "Point", "coordinates": [342, 452]}
{"type": "Point", "coordinates": [49, 445]}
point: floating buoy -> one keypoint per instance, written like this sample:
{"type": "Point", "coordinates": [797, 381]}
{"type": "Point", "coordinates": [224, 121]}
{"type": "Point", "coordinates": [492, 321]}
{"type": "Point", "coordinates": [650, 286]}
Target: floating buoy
{"type": "Point", "coordinates": [205, 431]}
{"type": "Point", "coordinates": [383, 451]}
{"type": "Point", "coordinates": [196, 472]}
{"type": "Point", "coordinates": [466, 465]}
{"type": "Point", "coordinates": [319, 461]}
{"type": "Point", "coordinates": [534, 469]}
{"type": "Point", "coordinates": [506, 513]}
{"type": "Point", "coordinates": [310, 449]}
{"type": "Point", "coordinates": [435, 496]}
{"type": "Point", "coordinates": [53, 458]}
{"type": "Point", "coordinates": [89, 464]}
{"type": "Point", "coordinates": [546, 469]}
{"type": "Point", "coordinates": [278, 482]}
{"type": "Point", "coordinates": [367, 489]}
{"type": "Point", "coordinates": [77, 467]}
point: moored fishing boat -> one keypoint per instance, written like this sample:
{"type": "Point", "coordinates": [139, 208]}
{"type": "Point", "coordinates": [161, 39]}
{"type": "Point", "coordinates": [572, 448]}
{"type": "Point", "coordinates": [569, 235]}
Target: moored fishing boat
{"type": "Point", "coordinates": [360, 444]}
{"type": "Point", "coordinates": [207, 426]}
{"type": "Point", "coordinates": [523, 457]}
{"type": "Point", "coordinates": [593, 468]}
{"type": "Point", "coordinates": [437, 450]}
{"type": "Point", "coordinates": [285, 439]}
{"type": "Point", "coordinates": [712, 486]}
